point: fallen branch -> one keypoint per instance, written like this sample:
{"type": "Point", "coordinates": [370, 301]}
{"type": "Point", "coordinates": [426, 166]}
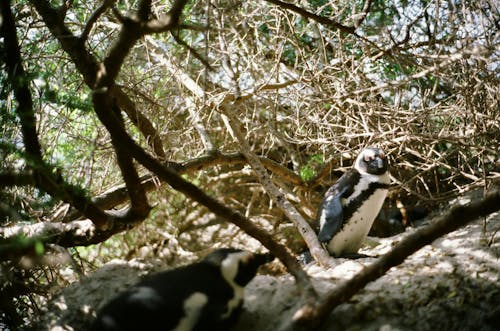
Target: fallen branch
{"type": "Point", "coordinates": [457, 217]}
{"type": "Point", "coordinates": [276, 195]}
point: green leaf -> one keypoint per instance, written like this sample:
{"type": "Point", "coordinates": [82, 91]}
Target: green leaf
{"type": "Point", "coordinates": [39, 247]}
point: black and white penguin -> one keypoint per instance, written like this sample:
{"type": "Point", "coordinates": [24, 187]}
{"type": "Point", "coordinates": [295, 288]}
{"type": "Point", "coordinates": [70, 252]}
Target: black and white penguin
{"type": "Point", "coordinates": [350, 206]}
{"type": "Point", "coordinates": [207, 295]}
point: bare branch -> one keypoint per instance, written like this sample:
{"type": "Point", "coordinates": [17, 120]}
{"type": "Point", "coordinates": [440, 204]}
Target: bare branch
{"type": "Point", "coordinates": [391, 84]}
{"type": "Point", "coordinates": [320, 19]}
{"type": "Point", "coordinates": [192, 50]}
{"type": "Point", "coordinates": [108, 113]}
{"type": "Point", "coordinates": [117, 196]}
{"type": "Point", "coordinates": [364, 12]}
{"type": "Point", "coordinates": [133, 29]}
{"type": "Point", "coordinates": [167, 22]}
{"type": "Point", "coordinates": [170, 176]}
{"type": "Point", "coordinates": [277, 196]}
{"type": "Point", "coordinates": [76, 233]}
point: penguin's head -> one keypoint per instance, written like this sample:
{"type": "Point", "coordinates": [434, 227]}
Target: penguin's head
{"type": "Point", "coordinates": [237, 265]}
{"type": "Point", "coordinates": [372, 161]}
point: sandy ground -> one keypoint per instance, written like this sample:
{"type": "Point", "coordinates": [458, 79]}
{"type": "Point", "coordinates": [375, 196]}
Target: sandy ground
{"type": "Point", "coordinates": [452, 284]}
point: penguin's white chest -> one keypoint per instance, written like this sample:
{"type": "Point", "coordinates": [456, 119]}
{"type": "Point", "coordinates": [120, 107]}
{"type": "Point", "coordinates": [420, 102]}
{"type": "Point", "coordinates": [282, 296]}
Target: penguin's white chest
{"type": "Point", "coordinates": [350, 238]}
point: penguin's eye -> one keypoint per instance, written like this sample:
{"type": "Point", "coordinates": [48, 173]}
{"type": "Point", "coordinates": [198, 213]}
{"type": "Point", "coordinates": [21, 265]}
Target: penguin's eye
{"type": "Point", "coordinates": [369, 158]}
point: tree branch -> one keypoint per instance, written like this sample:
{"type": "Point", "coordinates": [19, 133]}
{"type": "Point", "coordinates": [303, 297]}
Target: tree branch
{"type": "Point", "coordinates": [320, 19]}
{"type": "Point", "coordinates": [178, 183]}
{"type": "Point", "coordinates": [364, 13]}
{"type": "Point", "coordinates": [167, 22]}
{"type": "Point", "coordinates": [140, 121]}
{"type": "Point", "coordinates": [17, 179]}
{"type": "Point", "coordinates": [193, 51]}
{"type": "Point", "coordinates": [45, 177]}
{"type": "Point", "coordinates": [72, 45]}
{"type": "Point", "coordinates": [119, 195]}
{"type": "Point", "coordinates": [133, 29]}
{"type": "Point", "coordinates": [109, 114]}
{"type": "Point", "coordinates": [94, 17]}
{"type": "Point", "coordinates": [163, 172]}
{"type": "Point", "coordinates": [276, 195]}
{"type": "Point", "coordinates": [87, 65]}
{"type": "Point", "coordinates": [76, 233]}
{"type": "Point", "coordinates": [454, 219]}
{"type": "Point", "coordinates": [19, 82]}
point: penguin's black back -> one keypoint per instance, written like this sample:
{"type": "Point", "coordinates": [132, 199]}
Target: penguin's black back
{"type": "Point", "coordinates": [157, 302]}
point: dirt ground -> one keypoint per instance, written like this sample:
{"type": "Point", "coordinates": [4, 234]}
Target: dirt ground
{"type": "Point", "coordinates": [452, 284]}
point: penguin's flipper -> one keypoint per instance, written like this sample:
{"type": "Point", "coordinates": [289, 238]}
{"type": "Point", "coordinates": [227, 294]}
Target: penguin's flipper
{"type": "Point", "coordinates": [330, 215]}
{"type": "Point", "coordinates": [330, 218]}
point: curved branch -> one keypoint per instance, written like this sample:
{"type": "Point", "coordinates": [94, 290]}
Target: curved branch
{"type": "Point", "coordinates": [276, 195]}
{"type": "Point", "coordinates": [119, 195]}
{"type": "Point", "coordinates": [84, 61]}
{"type": "Point", "coordinates": [104, 103]}
{"type": "Point", "coordinates": [132, 30]}
{"type": "Point", "coordinates": [167, 22]}
{"type": "Point", "coordinates": [174, 179]}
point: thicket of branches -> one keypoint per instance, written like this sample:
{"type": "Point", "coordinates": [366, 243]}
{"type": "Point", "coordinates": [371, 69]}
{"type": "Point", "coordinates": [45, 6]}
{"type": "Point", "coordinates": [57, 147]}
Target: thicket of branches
{"type": "Point", "coordinates": [189, 125]}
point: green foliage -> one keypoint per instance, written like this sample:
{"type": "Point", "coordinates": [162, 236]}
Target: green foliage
{"type": "Point", "coordinates": [289, 55]}
{"type": "Point", "coordinates": [309, 171]}
{"type": "Point", "coordinates": [68, 100]}
{"type": "Point", "coordinates": [21, 243]}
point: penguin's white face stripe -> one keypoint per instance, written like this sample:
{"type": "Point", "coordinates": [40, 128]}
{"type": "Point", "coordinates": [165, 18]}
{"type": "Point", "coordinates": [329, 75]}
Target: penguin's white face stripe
{"type": "Point", "coordinates": [229, 268]}
{"type": "Point", "coordinates": [230, 264]}
{"type": "Point", "coordinates": [365, 156]}
{"type": "Point", "coordinates": [193, 306]}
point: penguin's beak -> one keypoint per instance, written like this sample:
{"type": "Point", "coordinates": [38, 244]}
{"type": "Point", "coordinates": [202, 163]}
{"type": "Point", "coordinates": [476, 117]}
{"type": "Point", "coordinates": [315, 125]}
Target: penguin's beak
{"type": "Point", "coordinates": [380, 163]}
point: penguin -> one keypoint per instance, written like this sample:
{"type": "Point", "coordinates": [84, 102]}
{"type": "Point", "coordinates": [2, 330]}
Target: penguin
{"type": "Point", "coordinates": [207, 295]}
{"type": "Point", "coordinates": [349, 207]}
